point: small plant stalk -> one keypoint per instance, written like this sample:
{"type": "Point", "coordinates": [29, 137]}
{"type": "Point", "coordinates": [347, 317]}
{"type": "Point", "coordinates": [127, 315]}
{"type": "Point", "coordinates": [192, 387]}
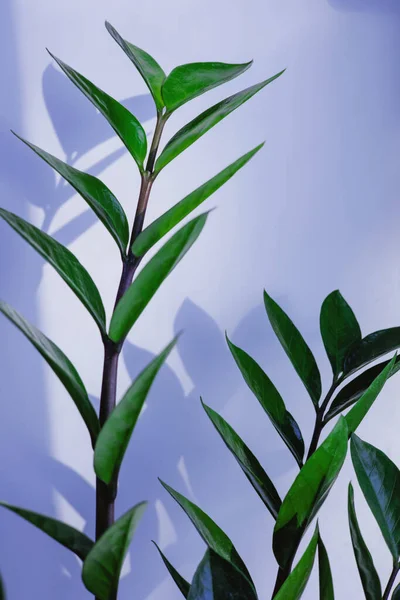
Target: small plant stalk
{"type": "Point", "coordinates": [392, 578]}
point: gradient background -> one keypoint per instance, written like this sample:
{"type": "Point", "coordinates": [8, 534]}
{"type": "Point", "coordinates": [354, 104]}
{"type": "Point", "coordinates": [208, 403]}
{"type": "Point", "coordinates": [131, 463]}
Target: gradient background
{"type": "Point", "coordinates": [316, 210]}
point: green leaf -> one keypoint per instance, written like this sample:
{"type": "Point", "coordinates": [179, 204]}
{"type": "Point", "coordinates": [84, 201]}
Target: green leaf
{"type": "Point", "coordinates": [62, 533]}
{"type": "Point", "coordinates": [365, 565]}
{"type": "Point", "coordinates": [182, 584]}
{"type": "Point", "coordinates": [271, 401]}
{"type": "Point", "coordinates": [370, 348]}
{"type": "Point", "coordinates": [149, 69]}
{"type": "Point", "coordinates": [158, 228]}
{"type": "Point", "coordinates": [209, 531]}
{"type": "Point", "coordinates": [359, 410]}
{"type": "Point", "coordinates": [125, 125]}
{"type": "Point", "coordinates": [2, 589]}
{"type": "Point", "coordinates": [326, 591]}
{"type": "Point", "coordinates": [353, 391]}
{"type": "Point", "coordinates": [295, 347]}
{"type": "Point", "coordinates": [295, 584]}
{"type": "Point", "coordinates": [308, 492]}
{"type": "Point", "coordinates": [396, 593]}
{"type": "Point", "coordinates": [379, 479]}
{"type": "Point", "coordinates": [103, 564]}
{"type": "Point", "coordinates": [116, 432]}
{"type": "Point", "coordinates": [145, 285]}
{"type": "Point", "coordinates": [64, 262]}
{"type": "Point", "coordinates": [61, 366]}
{"type": "Point", "coordinates": [191, 80]}
{"type": "Point", "coordinates": [248, 462]}
{"type": "Point", "coordinates": [189, 134]}
{"type": "Point", "coordinates": [339, 329]}
{"type": "Point", "coordinates": [218, 579]}
{"type": "Point", "coordinates": [100, 199]}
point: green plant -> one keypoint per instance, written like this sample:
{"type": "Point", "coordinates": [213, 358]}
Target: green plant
{"type": "Point", "coordinates": [348, 353]}
{"type": "Point", "coordinates": [110, 432]}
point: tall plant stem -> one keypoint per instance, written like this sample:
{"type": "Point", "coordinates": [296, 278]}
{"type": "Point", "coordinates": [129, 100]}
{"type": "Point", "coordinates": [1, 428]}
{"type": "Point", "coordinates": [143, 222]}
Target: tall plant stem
{"type": "Point", "coordinates": [393, 575]}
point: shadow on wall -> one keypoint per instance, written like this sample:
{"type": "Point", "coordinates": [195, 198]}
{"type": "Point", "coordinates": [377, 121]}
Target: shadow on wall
{"type": "Point", "coordinates": [371, 6]}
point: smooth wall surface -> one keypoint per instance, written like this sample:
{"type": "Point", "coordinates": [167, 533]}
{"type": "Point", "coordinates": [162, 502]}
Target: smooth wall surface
{"type": "Point", "coordinates": [316, 210]}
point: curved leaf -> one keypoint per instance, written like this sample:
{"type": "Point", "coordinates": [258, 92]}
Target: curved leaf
{"type": "Point", "coordinates": [379, 479]}
{"type": "Point", "coordinates": [62, 533]}
{"type": "Point", "coordinates": [248, 462]}
{"type": "Point", "coordinates": [116, 432]}
{"type": "Point", "coordinates": [149, 69]}
{"type": "Point", "coordinates": [396, 593]}
{"type": "Point", "coordinates": [308, 492]}
{"type": "Point", "coordinates": [326, 591]}
{"type": "Point", "coordinates": [295, 347]}
{"type": "Point", "coordinates": [103, 564]}
{"type": "Point", "coordinates": [145, 285]}
{"type": "Point", "coordinates": [181, 583]}
{"type": "Point", "coordinates": [64, 262]}
{"type": "Point", "coordinates": [61, 366]}
{"type": "Point", "coordinates": [158, 228]}
{"type": "Point", "coordinates": [191, 80]}
{"type": "Point", "coordinates": [370, 348]}
{"type": "Point", "coordinates": [339, 329]}
{"type": "Point", "coordinates": [125, 125]}
{"type": "Point", "coordinates": [189, 134]}
{"type": "Point", "coordinates": [365, 565]}
{"type": "Point", "coordinates": [271, 401]}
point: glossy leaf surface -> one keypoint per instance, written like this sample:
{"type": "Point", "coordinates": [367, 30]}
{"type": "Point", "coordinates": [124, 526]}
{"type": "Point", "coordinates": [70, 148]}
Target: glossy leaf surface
{"type": "Point", "coordinates": [371, 347]}
{"type": "Point", "coordinates": [326, 591]}
{"type": "Point", "coordinates": [248, 462]}
{"type": "Point", "coordinates": [396, 593]}
{"type": "Point", "coordinates": [295, 347]}
{"type": "Point", "coordinates": [271, 401]}
{"type": "Point", "coordinates": [147, 282]}
{"type": "Point", "coordinates": [181, 583]}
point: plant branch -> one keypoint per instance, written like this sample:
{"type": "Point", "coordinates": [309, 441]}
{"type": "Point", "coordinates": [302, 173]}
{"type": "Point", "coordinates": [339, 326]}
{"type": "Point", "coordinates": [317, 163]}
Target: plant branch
{"type": "Point", "coordinates": [393, 575]}
{"type": "Point", "coordinates": [319, 424]}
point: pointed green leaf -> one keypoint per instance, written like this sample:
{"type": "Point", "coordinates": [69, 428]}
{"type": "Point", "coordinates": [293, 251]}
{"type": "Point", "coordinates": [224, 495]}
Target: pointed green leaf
{"type": "Point", "coordinates": [308, 492]}
{"type": "Point", "coordinates": [396, 593]}
{"type": "Point", "coordinates": [61, 366]}
{"type": "Point", "coordinates": [295, 347]}
{"type": "Point", "coordinates": [62, 533]}
{"type": "Point", "coordinates": [370, 348]}
{"type": "Point", "coordinates": [102, 567]}
{"type": "Point", "coordinates": [116, 432]}
{"type": "Point", "coordinates": [191, 80]}
{"type": "Point", "coordinates": [248, 462]}
{"type": "Point", "coordinates": [64, 262]}
{"type": "Point", "coordinates": [218, 579]}
{"type": "Point", "coordinates": [145, 285]}
{"type": "Point", "coordinates": [339, 329]}
{"type": "Point", "coordinates": [189, 134]}
{"type": "Point", "coordinates": [158, 228]}
{"type": "Point", "coordinates": [379, 479]}
{"type": "Point", "coordinates": [125, 125]}
{"type": "Point", "coordinates": [326, 591]}
{"type": "Point", "coordinates": [365, 565]}
{"type": "Point", "coordinates": [181, 583]}
{"type": "Point", "coordinates": [100, 199]}
{"type": "Point", "coordinates": [271, 401]}
{"type": "Point", "coordinates": [149, 69]}
{"type": "Point", "coordinates": [295, 584]}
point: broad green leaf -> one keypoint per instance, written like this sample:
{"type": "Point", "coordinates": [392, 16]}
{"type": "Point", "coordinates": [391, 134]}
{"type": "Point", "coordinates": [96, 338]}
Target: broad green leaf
{"type": "Point", "coordinates": [191, 132]}
{"type": "Point", "coordinates": [100, 199]}
{"type": "Point", "coordinates": [125, 125]}
{"type": "Point", "coordinates": [116, 432]}
{"type": "Point", "coordinates": [212, 535]}
{"type": "Point", "coordinates": [370, 348]}
{"type": "Point", "coordinates": [326, 591]}
{"type": "Point", "coordinates": [102, 567]}
{"type": "Point", "coordinates": [218, 579]}
{"type": "Point", "coordinates": [353, 391]}
{"type": "Point", "coordinates": [62, 533]}
{"type": "Point", "coordinates": [2, 589]}
{"type": "Point", "coordinates": [64, 262]}
{"type": "Point", "coordinates": [361, 408]}
{"type": "Point", "coordinates": [158, 228]}
{"type": "Point", "coordinates": [295, 584]}
{"type": "Point", "coordinates": [295, 347]}
{"type": "Point", "coordinates": [339, 329]}
{"type": "Point", "coordinates": [149, 69]}
{"type": "Point", "coordinates": [248, 462]}
{"type": "Point", "coordinates": [271, 401]}
{"type": "Point", "coordinates": [181, 583]}
{"type": "Point", "coordinates": [145, 285]}
{"type": "Point", "coordinates": [379, 479]}
{"type": "Point", "coordinates": [308, 492]}
{"type": "Point", "coordinates": [365, 565]}
{"type": "Point", "coordinates": [61, 366]}
{"type": "Point", "coordinates": [191, 80]}
{"type": "Point", "coordinates": [396, 593]}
